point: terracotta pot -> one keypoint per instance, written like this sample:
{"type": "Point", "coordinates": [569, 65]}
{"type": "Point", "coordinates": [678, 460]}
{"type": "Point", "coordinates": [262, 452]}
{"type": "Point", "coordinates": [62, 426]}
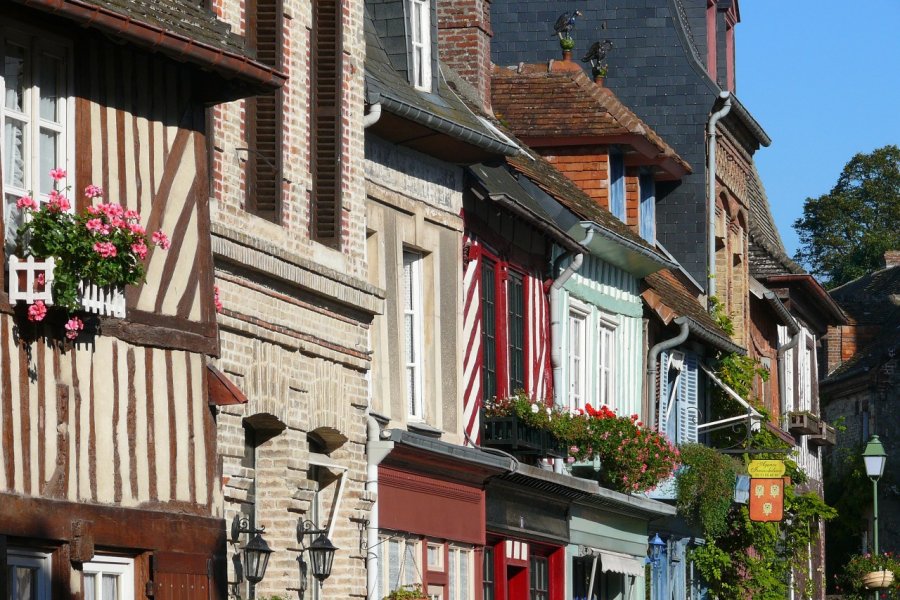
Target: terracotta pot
{"type": "Point", "coordinates": [876, 580]}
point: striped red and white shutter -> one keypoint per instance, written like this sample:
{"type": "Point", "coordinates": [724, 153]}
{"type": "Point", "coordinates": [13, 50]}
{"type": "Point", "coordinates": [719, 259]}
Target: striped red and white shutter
{"type": "Point", "coordinates": [539, 371]}
{"type": "Point", "coordinates": [472, 338]}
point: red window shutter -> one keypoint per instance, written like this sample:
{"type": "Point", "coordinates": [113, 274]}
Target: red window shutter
{"type": "Point", "coordinates": [326, 132]}
{"type": "Point", "coordinates": [264, 116]}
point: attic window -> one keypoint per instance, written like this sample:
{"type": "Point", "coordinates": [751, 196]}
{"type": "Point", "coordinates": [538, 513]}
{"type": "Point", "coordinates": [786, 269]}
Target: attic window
{"type": "Point", "coordinates": [420, 47]}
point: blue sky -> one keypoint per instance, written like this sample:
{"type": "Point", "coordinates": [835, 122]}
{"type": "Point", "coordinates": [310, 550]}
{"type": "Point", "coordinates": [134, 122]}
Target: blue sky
{"type": "Point", "coordinates": [822, 77]}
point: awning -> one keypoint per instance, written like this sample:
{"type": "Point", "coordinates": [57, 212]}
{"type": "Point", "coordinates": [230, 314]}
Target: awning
{"type": "Point", "coordinates": [616, 562]}
{"type": "Point", "coordinates": [222, 391]}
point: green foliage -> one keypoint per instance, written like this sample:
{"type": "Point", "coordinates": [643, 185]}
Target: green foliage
{"type": "Point", "coordinates": [844, 233]}
{"type": "Point", "coordinates": [407, 593]}
{"type": "Point", "coordinates": [705, 487]}
{"type": "Point", "coordinates": [718, 314]}
{"type": "Point", "coordinates": [754, 560]}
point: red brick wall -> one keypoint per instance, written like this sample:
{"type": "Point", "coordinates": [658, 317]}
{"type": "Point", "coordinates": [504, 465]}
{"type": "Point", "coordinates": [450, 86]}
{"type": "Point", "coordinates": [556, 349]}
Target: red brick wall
{"type": "Point", "coordinates": [464, 43]}
{"type": "Point", "coordinates": [632, 198]}
{"type": "Point", "coordinates": [587, 166]}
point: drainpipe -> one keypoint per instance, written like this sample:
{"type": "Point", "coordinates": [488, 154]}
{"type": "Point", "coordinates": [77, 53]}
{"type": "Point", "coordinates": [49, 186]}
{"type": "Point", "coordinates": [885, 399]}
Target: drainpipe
{"type": "Point", "coordinates": [652, 366]}
{"type": "Point", "coordinates": [556, 320]}
{"type": "Point", "coordinates": [376, 451]}
{"type": "Point", "coordinates": [371, 117]}
{"type": "Point", "coordinates": [711, 192]}
{"type": "Point", "coordinates": [782, 384]}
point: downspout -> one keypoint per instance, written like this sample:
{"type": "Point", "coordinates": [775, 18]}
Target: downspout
{"type": "Point", "coordinates": [371, 117]}
{"type": "Point", "coordinates": [711, 192]}
{"type": "Point", "coordinates": [376, 451]}
{"type": "Point", "coordinates": [556, 320]}
{"type": "Point", "coordinates": [782, 384]}
{"type": "Point", "coordinates": [652, 365]}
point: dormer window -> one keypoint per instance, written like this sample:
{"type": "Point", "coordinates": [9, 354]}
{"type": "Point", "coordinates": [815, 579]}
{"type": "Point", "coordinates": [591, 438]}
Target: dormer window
{"type": "Point", "coordinates": [420, 31]}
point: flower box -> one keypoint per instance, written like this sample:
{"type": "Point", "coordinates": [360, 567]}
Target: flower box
{"type": "Point", "coordinates": [104, 301]}
{"type": "Point", "coordinates": [827, 436]}
{"type": "Point", "coordinates": [802, 423]}
{"type": "Point", "coordinates": [511, 433]}
{"type": "Point", "coordinates": [876, 580]}
{"type": "Point", "coordinates": [26, 283]}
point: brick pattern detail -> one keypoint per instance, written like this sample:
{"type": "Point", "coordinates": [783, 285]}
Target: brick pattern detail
{"type": "Point", "coordinates": [632, 198]}
{"type": "Point", "coordinates": [298, 353]}
{"type": "Point", "coordinates": [587, 166]}
{"type": "Point", "coordinates": [464, 43]}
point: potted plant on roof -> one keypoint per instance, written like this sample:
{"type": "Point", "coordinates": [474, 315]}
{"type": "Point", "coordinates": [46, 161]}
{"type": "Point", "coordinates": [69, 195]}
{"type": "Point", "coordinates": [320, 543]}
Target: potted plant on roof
{"type": "Point", "coordinates": [77, 262]}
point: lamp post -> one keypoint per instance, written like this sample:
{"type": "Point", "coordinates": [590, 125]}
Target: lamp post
{"type": "Point", "coordinates": [874, 457]}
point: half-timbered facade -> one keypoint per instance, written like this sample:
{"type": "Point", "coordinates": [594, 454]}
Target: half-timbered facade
{"type": "Point", "coordinates": [109, 477]}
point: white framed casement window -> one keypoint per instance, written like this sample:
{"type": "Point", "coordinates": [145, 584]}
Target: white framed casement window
{"type": "Point", "coordinates": [420, 44]}
{"type": "Point", "coordinates": [28, 575]}
{"type": "Point", "coordinates": [460, 576]}
{"type": "Point", "coordinates": [435, 556]}
{"type": "Point", "coordinates": [400, 564]}
{"type": "Point", "coordinates": [108, 578]}
{"type": "Point", "coordinates": [37, 112]}
{"type": "Point", "coordinates": [413, 335]}
{"type": "Point", "coordinates": [605, 359]}
{"type": "Point", "coordinates": [577, 357]}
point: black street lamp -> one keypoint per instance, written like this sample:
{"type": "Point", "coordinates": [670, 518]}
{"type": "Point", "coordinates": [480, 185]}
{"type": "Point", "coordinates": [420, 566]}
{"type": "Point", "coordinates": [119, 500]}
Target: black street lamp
{"type": "Point", "coordinates": [321, 553]}
{"type": "Point", "coordinates": [256, 558]}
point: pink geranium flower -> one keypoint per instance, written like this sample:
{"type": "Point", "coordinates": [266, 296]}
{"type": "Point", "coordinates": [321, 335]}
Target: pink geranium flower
{"type": "Point", "coordinates": [37, 311]}
{"type": "Point", "coordinates": [136, 228]}
{"type": "Point", "coordinates": [73, 326]}
{"type": "Point", "coordinates": [26, 202]}
{"type": "Point", "coordinates": [97, 226]}
{"type": "Point", "coordinates": [93, 191]}
{"type": "Point", "coordinates": [218, 302]}
{"type": "Point", "coordinates": [161, 239]}
{"type": "Point", "coordinates": [57, 174]}
{"type": "Point", "coordinates": [140, 249]}
{"type": "Point", "coordinates": [105, 249]}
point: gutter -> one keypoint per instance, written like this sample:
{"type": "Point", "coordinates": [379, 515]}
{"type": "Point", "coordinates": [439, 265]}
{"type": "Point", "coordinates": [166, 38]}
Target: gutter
{"type": "Point", "coordinates": [377, 450]}
{"type": "Point", "coordinates": [653, 365]}
{"type": "Point", "coordinates": [371, 117]}
{"type": "Point", "coordinates": [550, 229]}
{"type": "Point", "coordinates": [711, 192]}
{"type": "Point", "coordinates": [645, 251]}
{"type": "Point", "coordinates": [403, 109]}
{"type": "Point", "coordinates": [782, 311]}
{"type": "Point", "coordinates": [556, 320]}
{"type": "Point", "coordinates": [174, 44]}
{"type": "Point", "coordinates": [714, 339]}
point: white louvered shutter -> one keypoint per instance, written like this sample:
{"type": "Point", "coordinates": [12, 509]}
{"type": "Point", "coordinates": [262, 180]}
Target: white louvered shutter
{"type": "Point", "coordinates": [688, 400]}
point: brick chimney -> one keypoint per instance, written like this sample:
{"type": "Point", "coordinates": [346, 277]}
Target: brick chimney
{"type": "Point", "coordinates": [464, 43]}
{"type": "Point", "coordinates": [892, 258]}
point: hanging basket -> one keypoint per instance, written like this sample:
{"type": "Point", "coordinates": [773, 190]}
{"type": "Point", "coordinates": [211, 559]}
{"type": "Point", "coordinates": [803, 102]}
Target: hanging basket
{"type": "Point", "coordinates": [31, 280]}
{"type": "Point", "coordinates": [876, 580]}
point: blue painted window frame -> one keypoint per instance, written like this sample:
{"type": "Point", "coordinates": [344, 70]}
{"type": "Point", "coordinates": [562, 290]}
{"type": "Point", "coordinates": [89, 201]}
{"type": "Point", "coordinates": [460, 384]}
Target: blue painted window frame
{"type": "Point", "coordinates": [617, 183]}
{"type": "Point", "coordinates": [647, 207]}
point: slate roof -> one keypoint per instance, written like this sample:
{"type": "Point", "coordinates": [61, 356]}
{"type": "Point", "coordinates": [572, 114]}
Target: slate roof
{"type": "Point", "coordinates": [767, 254]}
{"type": "Point", "coordinates": [181, 17]}
{"type": "Point", "coordinates": [442, 111]}
{"type": "Point", "coordinates": [541, 101]}
{"type": "Point", "coordinates": [870, 299]}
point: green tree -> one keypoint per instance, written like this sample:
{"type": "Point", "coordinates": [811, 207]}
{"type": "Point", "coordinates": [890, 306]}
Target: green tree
{"type": "Point", "coordinates": [844, 233]}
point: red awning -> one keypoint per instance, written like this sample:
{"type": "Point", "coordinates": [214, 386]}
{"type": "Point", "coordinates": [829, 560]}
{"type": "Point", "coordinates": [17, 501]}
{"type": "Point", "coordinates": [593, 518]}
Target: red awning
{"type": "Point", "coordinates": [222, 391]}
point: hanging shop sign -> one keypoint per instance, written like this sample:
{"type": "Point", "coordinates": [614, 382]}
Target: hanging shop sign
{"type": "Point", "coordinates": [766, 469]}
{"type": "Point", "coordinates": [766, 499]}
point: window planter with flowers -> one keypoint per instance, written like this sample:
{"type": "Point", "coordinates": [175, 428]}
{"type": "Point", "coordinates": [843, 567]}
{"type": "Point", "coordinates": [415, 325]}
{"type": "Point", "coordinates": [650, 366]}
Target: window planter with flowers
{"type": "Point", "coordinates": [632, 457]}
{"type": "Point", "coordinates": [74, 263]}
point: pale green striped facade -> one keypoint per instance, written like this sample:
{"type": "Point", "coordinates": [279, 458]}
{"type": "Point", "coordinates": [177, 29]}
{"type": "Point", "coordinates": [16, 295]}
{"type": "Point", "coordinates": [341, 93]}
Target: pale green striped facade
{"type": "Point", "coordinates": [609, 293]}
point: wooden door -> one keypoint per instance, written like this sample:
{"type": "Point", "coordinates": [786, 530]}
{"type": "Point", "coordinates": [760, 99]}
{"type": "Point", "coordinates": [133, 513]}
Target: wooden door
{"type": "Point", "coordinates": [181, 576]}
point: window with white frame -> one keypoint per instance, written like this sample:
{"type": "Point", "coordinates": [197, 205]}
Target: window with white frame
{"type": "Point", "coordinates": [28, 575]}
{"type": "Point", "coordinates": [37, 116]}
{"type": "Point", "coordinates": [420, 34]}
{"type": "Point", "coordinates": [577, 358]}
{"type": "Point", "coordinates": [461, 566]}
{"type": "Point", "coordinates": [400, 566]}
{"type": "Point", "coordinates": [108, 578]}
{"type": "Point", "coordinates": [412, 326]}
{"type": "Point", "coordinates": [606, 350]}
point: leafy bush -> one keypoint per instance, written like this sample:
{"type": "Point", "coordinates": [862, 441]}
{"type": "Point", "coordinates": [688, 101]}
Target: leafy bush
{"type": "Point", "coordinates": [705, 488]}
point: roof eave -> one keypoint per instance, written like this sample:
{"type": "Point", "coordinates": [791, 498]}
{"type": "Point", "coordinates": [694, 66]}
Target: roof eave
{"type": "Point", "coordinates": [179, 47]}
{"type": "Point", "coordinates": [622, 252]}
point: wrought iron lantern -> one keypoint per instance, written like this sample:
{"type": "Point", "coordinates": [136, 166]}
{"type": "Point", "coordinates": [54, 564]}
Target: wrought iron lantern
{"type": "Point", "coordinates": [256, 558]}
{"type": "Point", "coordinates": [320, 550]}
{"type": "Point", "coordinates": [657, 545]}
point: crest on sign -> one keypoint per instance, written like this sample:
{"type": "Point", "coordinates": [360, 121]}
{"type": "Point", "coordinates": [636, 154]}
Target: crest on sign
{"type": "Point", "coordinates": [766, 499]}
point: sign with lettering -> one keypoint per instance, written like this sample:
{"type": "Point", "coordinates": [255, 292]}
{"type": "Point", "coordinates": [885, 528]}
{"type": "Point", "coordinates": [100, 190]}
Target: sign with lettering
{"type": "Point", "coordinates": [768, 469]}
{"type": "Point", "coordinates": [766, 499]}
